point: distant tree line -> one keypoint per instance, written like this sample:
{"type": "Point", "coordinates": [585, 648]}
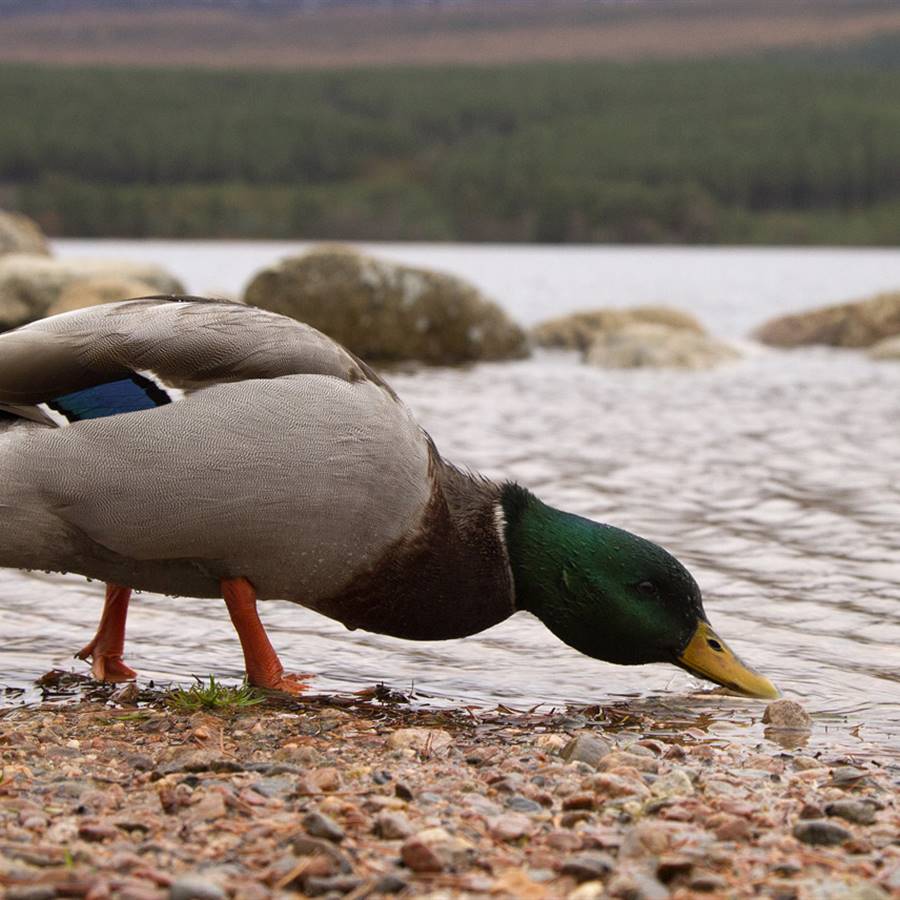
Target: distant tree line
{"type": "Point", "coordinates": [762, 150]}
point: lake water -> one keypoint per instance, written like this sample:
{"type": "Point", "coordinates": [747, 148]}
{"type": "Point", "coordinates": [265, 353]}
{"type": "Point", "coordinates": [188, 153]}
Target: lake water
{"type": "Point", "coordinates": [776, 480]}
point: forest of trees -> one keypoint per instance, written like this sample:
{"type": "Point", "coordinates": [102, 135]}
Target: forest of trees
{"type": "Point", "coordinates": [773, 149]}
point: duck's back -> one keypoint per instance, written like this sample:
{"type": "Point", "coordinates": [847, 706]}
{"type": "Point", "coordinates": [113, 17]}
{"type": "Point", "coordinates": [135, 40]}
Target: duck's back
{"type": "Point", "coordinates": [274, 454]}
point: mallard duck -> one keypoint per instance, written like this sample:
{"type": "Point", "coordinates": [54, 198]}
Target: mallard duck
{"type": "Point", "coordinates": [202, 448]}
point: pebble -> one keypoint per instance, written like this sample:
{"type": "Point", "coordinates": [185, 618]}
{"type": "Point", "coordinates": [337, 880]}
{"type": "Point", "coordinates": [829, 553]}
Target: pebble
{"type": "Point", "coordinates": [195, 887]}
{"type": "Point", "coordinates": [309, 846]}
{"type": "Point", "coordinates": [708, 883]}
{"type": "Point", "coordinates": [434, 849]}
{"type": "Point", "coordinates": [858, 811]}
{"type": "Point", "coordinates": [588, 866]}
{"type": "Point", "coordinates": [672, 866]}
{"type": "Point", "coordinates": [518, 803]}
{"type": "Point", "coordinates": [510, 827]}
{"type": "Point", "coordinates": [427, 741]}
{"type": "Point", "coordinates": [820, 831]}
{"type": "Point", "coordinates": [319, 825]}
{"type": "Point", "coordinates": [30, 892]}
{"type": "Point", "coordinates": [96, 832]}
{"type": "Point", "coordinates": [589, 890]}
{"type": "Point", "coordinates": [126, 695]}
{"type": "Point", "coordinates": [317, 885]}
{"type": "Point", "coordinates": [586, 749]}
{"type": "Point", "coordinates": [636, 886]}
{"type": "Point", "coordinates": [847, 776]}
{"type": "Point", "coordinates": [611, 784]}
{"type": "Point", "coordinates": [326, 778]}
{"type": "Point", "coordinates": [733, 828]}
{"type": "Point", "coordinates": [392, 826]}
{"type": "Point", "coordinates": [676, 783]}
{"type": "Point", "coordinates": [579, 801]}
{"type": "Point", "coordinates": [389, 884]}
{"type": "Point", "coordinates": [550, 743]}
{"type": "Point", "coordinates": [619, 758]}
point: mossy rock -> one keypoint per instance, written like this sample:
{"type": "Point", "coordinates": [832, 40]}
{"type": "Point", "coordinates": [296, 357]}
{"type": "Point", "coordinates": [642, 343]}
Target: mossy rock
{"type": "Point", "coordinates": [387, 312]}
{"type": "Point", "coordinates": [650, 345]}
{"type": "Point", "coordinates": [859, 324]}
{"type": "Point", "coordinates": [19, 234]}
{"type": "Point", "coordinates": [32, 285]}
{"type": "Point", "coordinates": [578, 330]}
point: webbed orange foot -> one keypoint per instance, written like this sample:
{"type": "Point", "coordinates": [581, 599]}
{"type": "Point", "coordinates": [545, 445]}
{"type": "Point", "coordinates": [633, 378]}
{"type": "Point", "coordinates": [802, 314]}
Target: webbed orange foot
{"type": "Point", "coordinates": [291, 684]}
{"type": "Point", "coordinates": [264, 669]}
{"type": "Point", "coordinates": [105, 650]}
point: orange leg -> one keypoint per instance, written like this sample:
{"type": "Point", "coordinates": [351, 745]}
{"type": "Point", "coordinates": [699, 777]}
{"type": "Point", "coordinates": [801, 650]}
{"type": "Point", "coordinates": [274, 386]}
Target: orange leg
{"type": "Point", "coordinates": [264, 669]}
{"type": "Point", "coordinates": [105, 650]}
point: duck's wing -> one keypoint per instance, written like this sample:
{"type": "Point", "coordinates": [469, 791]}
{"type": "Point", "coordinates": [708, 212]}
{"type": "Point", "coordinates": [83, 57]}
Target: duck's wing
{"type": "Point", "coordinates": [139, 354]}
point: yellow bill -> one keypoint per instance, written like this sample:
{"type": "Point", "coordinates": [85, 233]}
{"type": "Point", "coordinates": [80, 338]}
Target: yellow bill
{"type": "Point", "coordinates": [708, 656]}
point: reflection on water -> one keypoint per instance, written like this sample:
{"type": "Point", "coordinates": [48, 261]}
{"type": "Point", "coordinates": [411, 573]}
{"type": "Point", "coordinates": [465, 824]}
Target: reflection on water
{"type": "Point", "coordinates": [777, 481]}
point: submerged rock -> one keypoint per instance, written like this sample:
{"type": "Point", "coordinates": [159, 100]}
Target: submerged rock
{"type": "Point", "coordinates": [387, 312]}
{"type": "Point", "coordinates": [578, 330]}
{"type": "Point", "coordinates": [31, 285]}
{"type": "Point", "coordinates": [647, 345]}
{"type": "Point", "coordinates": [859, 324]}
{"type": "Point", "coordinates": [19, 234]}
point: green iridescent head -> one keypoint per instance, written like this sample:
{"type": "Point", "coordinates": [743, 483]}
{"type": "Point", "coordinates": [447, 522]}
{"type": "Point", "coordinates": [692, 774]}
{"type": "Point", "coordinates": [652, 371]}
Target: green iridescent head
{"type": "Point", "coordinates": [613, 595]}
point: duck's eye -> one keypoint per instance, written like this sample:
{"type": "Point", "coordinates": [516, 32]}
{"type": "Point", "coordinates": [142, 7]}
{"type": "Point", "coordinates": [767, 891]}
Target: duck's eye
{"type": "Point", "coordinates": [714, 644]}
{"type": "Point", "coordinates": [647, 587]}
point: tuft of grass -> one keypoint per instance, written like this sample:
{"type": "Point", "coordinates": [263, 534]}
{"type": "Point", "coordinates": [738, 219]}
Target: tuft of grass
{"type": "Point", "coordinates": [213, 696]}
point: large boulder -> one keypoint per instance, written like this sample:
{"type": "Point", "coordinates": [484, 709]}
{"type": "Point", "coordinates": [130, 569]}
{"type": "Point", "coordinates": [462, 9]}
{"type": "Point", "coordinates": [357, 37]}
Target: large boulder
{"type": "Point", "coordinates": [649, 345]}
{"type": "Point", "coordinates": [99, 289]}
{"type": "Point", "coordinates": [859, 324]}
{"type": "Point", "coordinates": [31, 285]}
{"type": "Point", "coordinates": [578, 330]}
{"type": "Point", "coordinates": [887, 349]}
{"type": "Point", "coordinates": [387, 312]}
{"type": "Point", "coordinates": [19, 234]}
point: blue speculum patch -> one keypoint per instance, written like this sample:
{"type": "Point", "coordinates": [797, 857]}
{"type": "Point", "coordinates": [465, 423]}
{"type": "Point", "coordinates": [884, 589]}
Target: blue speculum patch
{"type": "Point", "coordinates": [111, 399]}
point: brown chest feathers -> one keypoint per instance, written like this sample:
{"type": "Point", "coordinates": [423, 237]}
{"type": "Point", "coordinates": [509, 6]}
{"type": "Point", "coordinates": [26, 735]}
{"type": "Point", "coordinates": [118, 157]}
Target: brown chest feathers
{"type": "Point", "coordinates": [448, 580]}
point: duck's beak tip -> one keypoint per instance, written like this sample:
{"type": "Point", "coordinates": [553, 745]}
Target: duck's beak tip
{"type": "Point", "coordinates": [708, 656]}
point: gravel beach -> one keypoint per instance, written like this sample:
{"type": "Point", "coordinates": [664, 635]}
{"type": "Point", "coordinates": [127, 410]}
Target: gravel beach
{"type": "Point", "coordinates": [114, 794]}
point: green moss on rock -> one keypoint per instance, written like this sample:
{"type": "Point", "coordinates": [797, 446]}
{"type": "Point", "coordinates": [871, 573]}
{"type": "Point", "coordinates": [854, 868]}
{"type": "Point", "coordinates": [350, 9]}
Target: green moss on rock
{"type": "Point", "coordinates": [387, 312]}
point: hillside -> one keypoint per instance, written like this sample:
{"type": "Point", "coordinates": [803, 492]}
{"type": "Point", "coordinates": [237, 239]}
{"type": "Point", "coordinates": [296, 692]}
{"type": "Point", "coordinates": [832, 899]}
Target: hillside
{"type": "Point", "coordinates": [282, 34]}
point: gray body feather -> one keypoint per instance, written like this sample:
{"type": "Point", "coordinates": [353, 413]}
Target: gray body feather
{"type": "Point", "coordinates": [287, 462]}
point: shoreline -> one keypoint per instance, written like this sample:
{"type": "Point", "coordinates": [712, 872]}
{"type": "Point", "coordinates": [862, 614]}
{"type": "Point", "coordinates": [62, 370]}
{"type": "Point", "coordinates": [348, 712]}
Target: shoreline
{"type": "Point", "coordinates": [118, 795]}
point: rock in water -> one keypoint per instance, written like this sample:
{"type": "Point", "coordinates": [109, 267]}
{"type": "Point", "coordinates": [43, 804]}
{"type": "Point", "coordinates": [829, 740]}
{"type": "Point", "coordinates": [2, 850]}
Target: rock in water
{"type": "Point", "coordinates": [19, 234]}
{"type": "Point", "coordinates": [888, 349]}
{"type": "Point", "coordinates": [578, 330]}
{"type": "Point", "coordinates": [787, 714]}
{"type": "Point", "coordinates": [647, 345]}
{"type": "Point", "coordinates": [30, 285]}
{"type": "Point", "coordinates": [99, 289]}
{"type": "Point", "coordinates": [859, 324]}
{"type": "Point", "coordinates": [387, 312]}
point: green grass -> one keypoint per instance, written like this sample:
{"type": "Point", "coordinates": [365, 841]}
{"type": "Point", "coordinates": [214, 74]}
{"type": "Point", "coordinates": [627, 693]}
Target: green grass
{"type": "Point", "coordinates": [213, 697]}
